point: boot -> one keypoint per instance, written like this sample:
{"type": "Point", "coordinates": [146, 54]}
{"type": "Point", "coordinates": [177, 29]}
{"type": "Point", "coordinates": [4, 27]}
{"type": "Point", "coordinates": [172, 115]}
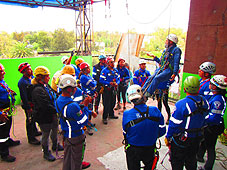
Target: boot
{"type": "Point", "coordinates": [47, 154]}
{"type": "Point", "coordinates": [85, 165]}
{"type": "Point", "coordinates": [57, 146]}
{"type": "Point", "coordinates": [11, 142]}
{"type": "Point", "coordinates": [8, 158]}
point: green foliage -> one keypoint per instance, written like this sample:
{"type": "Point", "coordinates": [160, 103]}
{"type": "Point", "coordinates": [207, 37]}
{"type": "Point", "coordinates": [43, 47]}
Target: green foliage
{"type": "Point", "coordinates": [42, 38]}
{"type": "Point", "coordinates": [63, 40]}
{"type": "Point", "coordinates": [158, 38]}
{"type": "Point", "coordinates": [6, 43]}
{"type": "Point", "coordinates": [21, 50]}
{"type": "Point", "coordinates": [104, 42]}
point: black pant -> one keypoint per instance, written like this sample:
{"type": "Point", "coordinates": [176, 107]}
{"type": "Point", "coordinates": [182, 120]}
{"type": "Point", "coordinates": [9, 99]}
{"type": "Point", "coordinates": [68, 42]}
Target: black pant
{"type": "Point", "coordinates": [97, 99]}
{"type": "Point", "coordinates": [109, 101]}
{"type": "Point", "coordinates": [163, 97]}
{"type": "Point", "coordinates": [210, 135]}
{"type": "Point", "coordinates": [121, 90]}
{"type": "Point", "coordinates": [30, 127]}
{"type": "Point", "coordinates": [184, 153]}
{"type": "Point", "coordinates": [5, 133]}
{"type": "Point", "coordinates": [135, 154]}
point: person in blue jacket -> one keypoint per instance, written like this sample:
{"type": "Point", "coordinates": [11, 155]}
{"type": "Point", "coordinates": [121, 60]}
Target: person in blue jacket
{"type": "Point", "coordinates": [206, 70]}
{"type": "Point", "coordinates": [124, 79]}
{"type": "Point", "coordinates": [27, 104]}
{"type": "Point", "coordinates": [72, 120]}
{"type": "Point", "coordinates": [141, 75]}
{"type": "Point", "coordinates": [214, 120]}
{"type": "Point", "coordinates": [96, 75]}
{"type": "Point", "coordinates": [110, 79]}
{"type": "Point", "coordinates": [142, 126]}
{"type": "Point", "coordinates": [7, 100]}
{"type": "Point", "coordinates": [88, 85]}
{"type": "Point", "coordinates": [186, 125]}
{"type": "Point", "coordinates": [168, 65]}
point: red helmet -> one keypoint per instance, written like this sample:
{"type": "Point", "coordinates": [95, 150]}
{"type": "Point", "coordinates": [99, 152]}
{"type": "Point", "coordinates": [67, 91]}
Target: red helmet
{"type": "Point", "coordinates": [23, 66]}
{"type": "Point", "coordinates": [108, 59]}
{"type": "Point", "coordinates": [1, 67]}
{"type": "Point", "coordinates": [120, 59]}
{"type": "Point", "coordinates": [84, 65]}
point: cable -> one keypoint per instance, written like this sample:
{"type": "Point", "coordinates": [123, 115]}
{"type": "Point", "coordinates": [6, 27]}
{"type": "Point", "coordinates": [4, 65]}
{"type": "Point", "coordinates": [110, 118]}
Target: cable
{"type": "Point", "coordinates": [149, 22]}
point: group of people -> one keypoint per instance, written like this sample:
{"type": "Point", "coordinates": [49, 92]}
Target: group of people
{"type": "Point", "coordinates": [74, 98]}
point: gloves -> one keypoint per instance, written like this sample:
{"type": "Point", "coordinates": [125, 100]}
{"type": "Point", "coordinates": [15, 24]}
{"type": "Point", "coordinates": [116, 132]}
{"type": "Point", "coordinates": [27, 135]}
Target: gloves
{"type": "Point", "coordinates": [94, 114]}
{"type": "Point", "coordinates": [3, 117]}
{"type": "Point", "coordinates": [167, 142]}
{"type": "Point", "coordinates": [101, 90]}
{"type": "Point", "coordinates": [87, 100]}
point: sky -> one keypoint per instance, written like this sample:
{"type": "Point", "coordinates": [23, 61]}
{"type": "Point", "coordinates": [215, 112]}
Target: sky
{"type": "Point", "coordinates": [143, 16]}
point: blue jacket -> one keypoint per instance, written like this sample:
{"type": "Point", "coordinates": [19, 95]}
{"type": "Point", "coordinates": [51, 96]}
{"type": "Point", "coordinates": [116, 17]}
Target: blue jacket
{"type": "Point", "coordinates": [108, 76]}
{"type": "Point", "coordinates": [88, 84]}
{"type": "Point", "coordinates": [146, 132]}
{"type": "Point", "coordinates": [76, 118]}
{"type": "Point", "coordinates": [22, 85]}
{"type": "Point", "coordinates": [140, 76]}
{"type": "Point", "coordinates": [173, 58]}
{"type": "Point", "coordinates": [124, 75]}
{"type": "Point", "coordinates": [97, 71]}
{"type": "Point", "coordinates": [5, 96]}
{"type": "Point", "coordinates": [204, 89]}
{"type": "Point", "coordinates": [180, 121]}
{"type": "Point", "coordinates": [217, 110]}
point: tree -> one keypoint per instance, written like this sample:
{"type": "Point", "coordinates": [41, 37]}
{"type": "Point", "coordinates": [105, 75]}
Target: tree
{"type": "Point", "coordinates": [21, 50]}
{"type": "Point", "coordinates": [158, 38]}
{"type": "Point", "coordinates": [63, 40]}
{"type": "Point", "coordinates": [6, 43]}
{"type": "Point", "coordinates": [41, 39]}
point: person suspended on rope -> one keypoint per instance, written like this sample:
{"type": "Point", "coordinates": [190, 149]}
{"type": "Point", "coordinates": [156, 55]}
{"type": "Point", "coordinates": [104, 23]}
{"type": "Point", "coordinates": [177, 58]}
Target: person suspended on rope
{"type": "Point", "coordinates": [215, 121]}
{"type": "Point", "coordinates": [162, 96]}
{"type": "Point", "coordinates": [122, 87]}
{"type": "Point", "coordinates": [96, 75]}
{"type": "Point", "coordinates": [110, 79]}
{"type": "Point", "coordinates": [141, 75]}
{"type": "Point", "coordinates": [27, 105]}
{"type": "Point", "coordinates": [142, 126]}
{"type": "Point", "coordinates": [7, 100]}
{"type": "Point", "coordinates": [168, 65]}
{"type": "Point", "coordinates": [44, 111]}
{"type": "Point", "coordinates": [186, 125]}
{"type": "Point", "coordinates": [72, 120]}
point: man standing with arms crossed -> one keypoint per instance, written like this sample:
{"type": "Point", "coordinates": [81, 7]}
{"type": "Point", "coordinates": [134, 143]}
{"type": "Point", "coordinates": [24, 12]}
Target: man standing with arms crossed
{"type": "Point", "coordinates": [27, 105]}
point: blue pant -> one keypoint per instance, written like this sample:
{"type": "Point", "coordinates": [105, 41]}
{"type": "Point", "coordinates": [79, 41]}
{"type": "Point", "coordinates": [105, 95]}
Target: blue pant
{"type": "Point", "coordinates": [158, 77]}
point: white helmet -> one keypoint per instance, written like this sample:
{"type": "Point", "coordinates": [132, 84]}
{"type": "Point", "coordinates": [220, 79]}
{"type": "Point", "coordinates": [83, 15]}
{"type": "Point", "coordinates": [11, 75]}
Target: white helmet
{"type": "Point", "coordinates": [64, 58]}
{"type": "Point", "coordinates": [67, 80]}
{"type": "Point", "coordinates": [208, 67]}
{"type": "Point", "coordinates": [220, 81]}
{"type": "Point", "coordinates": [142, 61]}
{"type": "Point", "coordinates": [172, 37]}
{"type": "Point", "coordinates": [134, 92]}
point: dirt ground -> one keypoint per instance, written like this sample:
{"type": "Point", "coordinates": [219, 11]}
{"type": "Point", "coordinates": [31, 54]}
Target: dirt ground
{"type": "Point", "coordinates": [108, 138]}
